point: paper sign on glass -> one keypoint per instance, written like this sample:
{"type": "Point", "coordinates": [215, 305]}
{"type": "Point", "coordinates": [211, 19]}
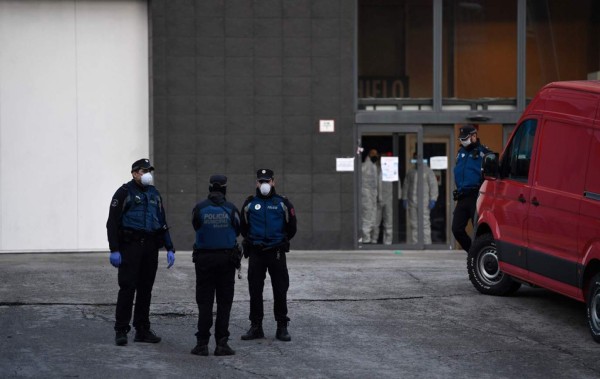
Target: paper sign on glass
{"type": "Point", "coordinates": [389, 169]}
{"type": "Point", "coordinates": [438, 163]}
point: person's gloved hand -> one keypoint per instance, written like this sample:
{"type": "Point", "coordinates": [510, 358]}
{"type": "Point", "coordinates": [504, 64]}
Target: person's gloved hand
{"type": "Point", "coordinates": [170, 258]}
{"type": "Point", "coordinates": [431, 204]}
{"type": "Point", "coordinates": [405, 203]}
{"type": "Point", "coordinates": [115, 258]}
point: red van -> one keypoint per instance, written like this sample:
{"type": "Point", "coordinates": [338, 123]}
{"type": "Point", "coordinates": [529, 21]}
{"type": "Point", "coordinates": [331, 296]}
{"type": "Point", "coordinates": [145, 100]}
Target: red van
{"type": "Point", "coordinates": [539, 208]}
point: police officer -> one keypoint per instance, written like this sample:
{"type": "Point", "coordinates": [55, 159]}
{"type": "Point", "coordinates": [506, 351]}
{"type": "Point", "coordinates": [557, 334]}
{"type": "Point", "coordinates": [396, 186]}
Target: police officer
{"type": "Point", "coordinates": [268, 224]}
{"type": "Point", "coordinates": [216, 256]}
{"type": "Point", "coordinates": [467, 175]}
{"type": "Point", "coordinates": [137, 228]}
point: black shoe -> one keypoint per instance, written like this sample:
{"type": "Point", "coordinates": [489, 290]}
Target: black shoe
{"type": "Point", "coordinates": [282, 332]}
{"type": "Point", "coordinates": [200, 349]}
{"type": "Point", "coordinates": [223, 348]}
{"type": "Point", "coordinates": [146, 335]}
{"type": "Point", "coordinates": [255, 331]}
{"type": "Point", "coordinates": [121, 338]}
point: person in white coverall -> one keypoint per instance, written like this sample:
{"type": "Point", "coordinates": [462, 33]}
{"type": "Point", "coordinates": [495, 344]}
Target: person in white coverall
{"type": "Point", "coordinates": [385, 201]}
{"type": "Point", "coordinates": [369, 191]}
{"type": "Point", "coordinates": [409, 200]}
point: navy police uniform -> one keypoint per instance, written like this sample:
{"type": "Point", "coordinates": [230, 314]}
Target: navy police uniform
{"type": "Point", "coordinates": [216, 256]}
{"type": "Point", "coordinates": [467, 175]}
{"type": "Point", "coordinates": [137, 228]}
{"type": "Point", "coordinates": [268, 224]}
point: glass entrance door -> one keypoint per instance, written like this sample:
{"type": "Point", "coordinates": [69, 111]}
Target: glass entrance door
{"type": "Point", "coordinates": [385, 219]}
{"type": "Point", "coordinates": [404, 187]}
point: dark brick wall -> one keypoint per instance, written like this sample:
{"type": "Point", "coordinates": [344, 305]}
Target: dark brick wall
{"type": "Point", "coordinates": [238, 85]}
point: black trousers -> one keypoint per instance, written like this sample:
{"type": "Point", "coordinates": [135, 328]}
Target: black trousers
{"type": "Point", "coordinates": [463, 212]}
{"type": "Point", "coordinates": [215, 275]}
{"type": "Point", "coordinates": [136, 279]}
{"type": "Point", "coordinates": [259, 263]}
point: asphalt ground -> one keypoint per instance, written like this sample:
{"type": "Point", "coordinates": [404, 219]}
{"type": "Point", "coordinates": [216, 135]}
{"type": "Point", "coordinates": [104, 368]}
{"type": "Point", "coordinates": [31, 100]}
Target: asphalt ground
{"type": "Point", "coordinates": [354, 314]}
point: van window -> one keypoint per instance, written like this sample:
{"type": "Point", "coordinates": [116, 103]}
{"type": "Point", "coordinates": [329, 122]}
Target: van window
{"type": "Point", "coordinates": [562, 156]}
{"type": "Point", "coordinates": [515, 162]}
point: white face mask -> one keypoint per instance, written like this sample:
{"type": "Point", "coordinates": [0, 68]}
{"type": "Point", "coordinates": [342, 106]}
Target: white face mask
{"type": "Point", "coordinates": [466, 143]}
{"type": "Point", "coordinates": [265, 188]}
{"type": "Point", "coordinates": [147, 179]}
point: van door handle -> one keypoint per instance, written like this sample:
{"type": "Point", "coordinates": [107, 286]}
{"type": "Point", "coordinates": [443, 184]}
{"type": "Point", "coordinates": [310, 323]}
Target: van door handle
{"type": "Point", "coordinates": [535, 201]}
{"type": "Point", "coordinates": [522, 198]}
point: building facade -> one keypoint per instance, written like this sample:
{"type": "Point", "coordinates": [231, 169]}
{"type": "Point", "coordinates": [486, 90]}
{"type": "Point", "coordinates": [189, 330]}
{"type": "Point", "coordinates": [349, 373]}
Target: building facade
{"type": "Point", "coordinates": [238, 85]}
{"type": "Point", "coordinates": [242, 85]}
{"type": "Point", "coordinates": [304, 87]}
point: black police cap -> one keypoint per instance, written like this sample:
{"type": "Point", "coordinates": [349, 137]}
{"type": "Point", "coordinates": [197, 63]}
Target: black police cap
{"type": "Point", "coordinates": [264, 174]}
{"type": "Point", "coordinates": [220, 180]}
{"type": "Point", "coordinates": [466, 131]}
{"type": "Point", "coordinates": [141, 163]}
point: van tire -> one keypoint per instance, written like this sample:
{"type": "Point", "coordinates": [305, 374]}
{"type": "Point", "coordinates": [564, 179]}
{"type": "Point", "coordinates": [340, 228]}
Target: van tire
{"type": "Point", "coordinates": [593, 307]}
{"type": "Point", "coordinates": [484, 272]}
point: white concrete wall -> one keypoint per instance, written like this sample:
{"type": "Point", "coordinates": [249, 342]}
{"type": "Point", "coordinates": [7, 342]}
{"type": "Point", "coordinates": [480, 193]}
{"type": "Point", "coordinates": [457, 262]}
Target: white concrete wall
{"type": "Point", "coordinates": [73, 117]}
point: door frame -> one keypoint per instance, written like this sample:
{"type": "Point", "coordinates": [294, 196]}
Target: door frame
{"type": "Point", "coordinates": [366, 129]}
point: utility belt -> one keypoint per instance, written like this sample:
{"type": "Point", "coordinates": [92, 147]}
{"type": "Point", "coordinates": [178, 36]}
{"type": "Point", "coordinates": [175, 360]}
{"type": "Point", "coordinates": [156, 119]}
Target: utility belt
{"type": "Point", "coordinates": [283, 247]}
{"type": "Point", "coordinates": [141, 236]}
{"type": "Point", "coordinates": [464, 193]}
{"type": "Point", "coordinates": [215, 251]}
{"type": "Point", "coordinates": [235, 253]}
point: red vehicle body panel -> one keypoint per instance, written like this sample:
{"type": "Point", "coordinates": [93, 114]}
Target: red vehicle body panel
{"type": "Point", "coordinates": [547, 223]}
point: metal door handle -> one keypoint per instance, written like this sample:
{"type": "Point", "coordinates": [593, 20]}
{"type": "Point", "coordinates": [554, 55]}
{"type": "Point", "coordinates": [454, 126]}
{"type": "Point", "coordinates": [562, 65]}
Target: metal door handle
{"type": "Point", "coordinates": [535, 201]}
{"type": "Point", "coordinates": [522, 198]}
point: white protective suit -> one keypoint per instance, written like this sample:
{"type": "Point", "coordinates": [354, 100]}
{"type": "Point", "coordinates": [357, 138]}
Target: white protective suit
{"type": "Point", "coordinates": [409, 192]}
{"type": "Point", "coordinates": [369, 200]}
{"type": "Point", "coordinates": [385, 212]}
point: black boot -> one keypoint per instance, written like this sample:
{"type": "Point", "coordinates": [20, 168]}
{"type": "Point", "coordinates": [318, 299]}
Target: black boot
{"type": "Point", "coordinates": [121, 337]}
{"type": "Point", "coordinates": [255, 331]}
{"type": "Point", "coordinates": [146, 335]}
{"type": "Point", "coordinates": [201, 348]}
{"type": "Point", "coordinates": [223, 348]}
{"type": "Point", "coordinates": [282, 332]}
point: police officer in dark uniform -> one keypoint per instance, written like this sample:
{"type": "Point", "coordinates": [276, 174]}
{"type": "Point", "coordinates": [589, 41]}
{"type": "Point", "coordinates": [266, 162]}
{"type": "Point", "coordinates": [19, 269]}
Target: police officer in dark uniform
{"type": "Point", "coordinates": [467, 175]}
{"type": "Point", "coordinates": [216, 257]}
{"type": "Point", "coordinates": [268, 224]}
{"type": "Point", "coordinates": [137, 228]}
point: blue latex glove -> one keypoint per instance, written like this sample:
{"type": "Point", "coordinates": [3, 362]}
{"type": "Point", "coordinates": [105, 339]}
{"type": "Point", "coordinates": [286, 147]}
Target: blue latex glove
{"type": "Point", "coordinates": [431, 204]}
{"type": "Point", "coordinates": [170, 259]}
{"type": "Point", "coordinates": [115, 258]}
{"type": "Point", "coordinates": [405, 203]}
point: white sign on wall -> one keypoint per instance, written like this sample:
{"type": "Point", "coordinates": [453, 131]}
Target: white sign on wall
{"type": "Point", "coordinates": [344, 164]}
{"type": "Point", "coordinates": [326, 126]}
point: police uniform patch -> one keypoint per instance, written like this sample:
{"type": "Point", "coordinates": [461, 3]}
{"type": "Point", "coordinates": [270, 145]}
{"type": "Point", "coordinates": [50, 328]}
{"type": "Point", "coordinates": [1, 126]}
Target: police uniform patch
{"type": "Point", "coordinates": [257, 206]}
{"type": "Point", "coordinates": [114, 203]}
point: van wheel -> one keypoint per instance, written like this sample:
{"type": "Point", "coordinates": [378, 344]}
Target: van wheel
{"type": "Point", "coordinates": [593, 307]}
{"type": "Point", "coordinates": [484, 270]}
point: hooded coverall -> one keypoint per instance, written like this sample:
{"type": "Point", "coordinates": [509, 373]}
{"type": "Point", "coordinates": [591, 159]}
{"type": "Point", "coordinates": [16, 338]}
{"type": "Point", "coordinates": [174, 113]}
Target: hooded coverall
{"type": "Point", "coordinates": [369, 200]}
{"type": "Point", "coordinates": [409, 192]}
{"type": "Point", "coordinates": [385, 201]}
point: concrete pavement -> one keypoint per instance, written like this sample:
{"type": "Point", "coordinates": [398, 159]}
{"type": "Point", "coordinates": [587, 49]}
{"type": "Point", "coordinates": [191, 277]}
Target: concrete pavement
{"type": "Point", "coordinates": [354, 314]}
